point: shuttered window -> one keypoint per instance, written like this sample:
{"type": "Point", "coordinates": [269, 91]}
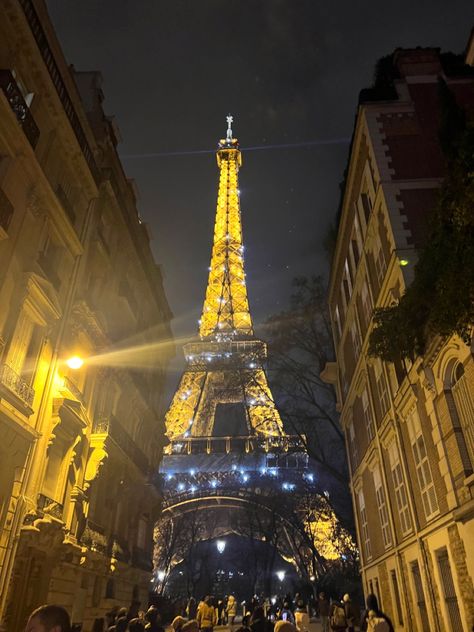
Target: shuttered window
{"type": "Point", "coordinates": [449, 592]}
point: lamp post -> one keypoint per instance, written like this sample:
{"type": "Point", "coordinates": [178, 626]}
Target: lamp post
{"type": "Point", "coordinates": [221, 545]}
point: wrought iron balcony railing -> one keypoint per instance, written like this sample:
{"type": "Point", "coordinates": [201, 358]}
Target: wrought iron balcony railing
{"type": "Point", "coordinates": [123, 440]}
{"type": "Point", "coordinates": [18, 105]}
{"type": "Point", "coordinates": [16, 384]}
{"type": "Point", "coordinates": [49, 506]}
{"type": "Point", "coordinates": [48, 58]}
{"type": "Point", "coordinates": [94, 537]}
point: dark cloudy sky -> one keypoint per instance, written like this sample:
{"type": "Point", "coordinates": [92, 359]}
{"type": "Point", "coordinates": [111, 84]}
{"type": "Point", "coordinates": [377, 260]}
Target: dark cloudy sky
{"type": "Point", "coordinates": [288, 70]}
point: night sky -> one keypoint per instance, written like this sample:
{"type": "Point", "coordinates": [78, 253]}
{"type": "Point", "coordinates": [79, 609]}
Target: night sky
{"type": "Point", "coordinates": [288, 70]}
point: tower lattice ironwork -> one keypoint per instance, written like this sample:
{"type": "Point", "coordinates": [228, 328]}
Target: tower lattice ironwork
{"type": "Point", "coordinates": [226, 366]}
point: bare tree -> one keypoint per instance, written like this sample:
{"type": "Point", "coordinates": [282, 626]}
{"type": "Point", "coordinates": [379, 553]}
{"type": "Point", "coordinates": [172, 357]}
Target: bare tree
{"type": "Point", "coordinates": [300, 345]}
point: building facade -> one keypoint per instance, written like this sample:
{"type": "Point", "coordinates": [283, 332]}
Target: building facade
{"type": "Point", "coordinates": [77, 278]}
{"type": "Point", "coordinates": [409, 428]}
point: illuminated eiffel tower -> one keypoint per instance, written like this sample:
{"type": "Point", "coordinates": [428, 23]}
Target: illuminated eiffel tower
{"type": "Point", "coordinates": [224, 387]}
{"type": "Point", "coordinates": [227, 447]}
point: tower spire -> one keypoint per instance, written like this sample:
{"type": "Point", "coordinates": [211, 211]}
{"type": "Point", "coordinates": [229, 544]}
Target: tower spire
{"type": "Point", "coordinates": [230, 120]}
{"type": "Point", "coordinates": [226, 312]}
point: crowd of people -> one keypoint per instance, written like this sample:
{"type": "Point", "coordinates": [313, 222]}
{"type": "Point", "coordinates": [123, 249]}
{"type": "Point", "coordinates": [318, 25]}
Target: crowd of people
{"type": "Point", "coordinates": [257, 615]}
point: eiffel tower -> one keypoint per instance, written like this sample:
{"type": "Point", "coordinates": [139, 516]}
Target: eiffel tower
{"type": "Point", "coordinates": [227, 445]}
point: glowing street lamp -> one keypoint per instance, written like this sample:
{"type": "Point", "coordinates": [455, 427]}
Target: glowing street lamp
{"type": "Point", "coordinates": [160, 575]}
{"type": "Point", "coordinates": [75, 362]}
{"type": "Point", "coordinates": [220, 546]}
{"type": "Point", "coordinates": [281, 575]}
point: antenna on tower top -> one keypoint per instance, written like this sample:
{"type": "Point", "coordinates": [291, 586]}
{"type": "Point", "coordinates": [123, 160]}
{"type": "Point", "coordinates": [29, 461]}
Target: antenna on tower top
{"type": "Point", "coordinates": [230, 120]}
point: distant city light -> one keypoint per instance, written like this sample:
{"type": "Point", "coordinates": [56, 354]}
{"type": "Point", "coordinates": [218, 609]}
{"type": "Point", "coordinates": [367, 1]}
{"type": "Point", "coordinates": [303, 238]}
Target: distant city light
{"type": "Point", "coordinates": [160, 575]}
{"type": "Point", "coordinates": [404, 262]}
{"type": "Point", "coordinates": [220, 546]}
{"type": "Point", "coordinates": [281, 575]}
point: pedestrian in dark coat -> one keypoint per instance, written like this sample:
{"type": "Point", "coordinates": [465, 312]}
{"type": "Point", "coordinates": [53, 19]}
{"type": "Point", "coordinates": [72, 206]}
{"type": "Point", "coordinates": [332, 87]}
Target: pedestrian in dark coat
{"type": "Point", "coordinates": [373, 604]}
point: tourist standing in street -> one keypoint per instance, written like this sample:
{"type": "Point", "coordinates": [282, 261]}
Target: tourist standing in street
{"type": "Point", "coordinates": [231, 610]}
{"type": "Point", "coordinates": [207, 615]}
{"type": "Point", "coordinates": [323, 610]}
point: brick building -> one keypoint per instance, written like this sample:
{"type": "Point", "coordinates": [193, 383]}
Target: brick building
{"type": "Point", "coordinates": [409, 428]}
{"type": "Point", "coordinates": [77, 277]}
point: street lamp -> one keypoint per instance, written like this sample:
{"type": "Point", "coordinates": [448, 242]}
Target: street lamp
{"type": "Point", "coordinates": [281, 575]}
{"type": "Point", "coordinates": [75, 362]}
{"type": "Point", "coordinates": [160, 575]}
{"type": "Point", "coordinates": [220, 545]}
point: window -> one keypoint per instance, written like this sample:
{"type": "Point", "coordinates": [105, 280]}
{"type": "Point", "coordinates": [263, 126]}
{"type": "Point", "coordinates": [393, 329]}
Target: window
{"type": "Point", "coordinates": [356, 344]}
{"type": "Point", "coordinates": [380, 265]}
{"type": "Point", "coordinates": [382, 390]}
{"type": "Point", "coordinates": [142, 532]}
{"type": "Point", "coordinates": [20, 342]}
{"type": "Point", "coordinates": [366, 206]}
{"type": "Point", "coordinates": [367, 306]}
{"type": "Point", "coordinates": [423, 469]}
{"type": "Point", "coordinates": [353, 446]}
{"type": "Point", "coordinates": [110, 589]}
{"type": "Point", "coordinates": [449, 592]}
{"type": "Point", "coordinates": [463, 398]}
{"type": "Point", "coordinates": [420, 596]}
{"type": "Point", "coordinates": [382, 507]}
{"type": "Point", "coordinates": [337, 320]}
{"type": "Point", "coordinates": [364, 526]}
{"type": "Point", "coordinates": [368, 417]}
{"type": "Point", "coordinates": [399, 488]}
{"type": "Point", "coordinates": [396, 594]}
{"type": "Point", "coordinates": [357, 233]}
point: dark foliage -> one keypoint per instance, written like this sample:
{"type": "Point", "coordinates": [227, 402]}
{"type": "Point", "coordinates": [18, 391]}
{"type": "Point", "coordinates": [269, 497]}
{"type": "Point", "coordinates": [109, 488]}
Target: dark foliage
{"type": "Point", "coordinates": [440, 299]}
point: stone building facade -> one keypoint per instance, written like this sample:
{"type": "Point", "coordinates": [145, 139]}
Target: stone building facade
{"type": "Point", "coordinates": [410, 428]}
{"type": "Point", "coordinates": [77, 277]}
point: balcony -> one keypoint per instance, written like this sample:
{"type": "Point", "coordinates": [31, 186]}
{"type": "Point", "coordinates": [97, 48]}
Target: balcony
{"type": "Point", "coordinates": [112, 427]}
{"type": "Point", "coordinates": [17, 385]}
{"type": "Point", "coordinates": [50, 507]}
{"type": "Point", "coordinates": [19, 107]}
{"type": "Point", "coordinates": [94, 538]}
